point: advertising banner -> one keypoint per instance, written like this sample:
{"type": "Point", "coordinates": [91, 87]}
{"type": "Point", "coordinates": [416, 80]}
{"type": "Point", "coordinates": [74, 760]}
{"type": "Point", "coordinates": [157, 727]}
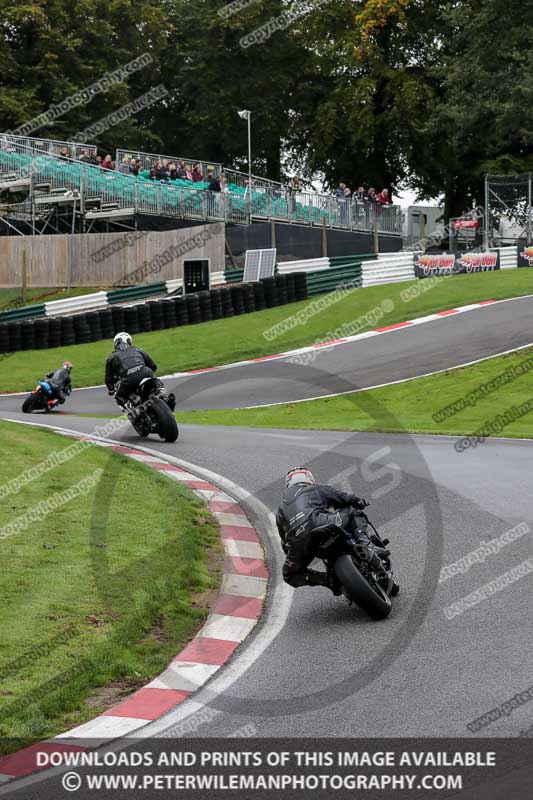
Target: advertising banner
{"type": "Point", "coordinates": [525, 255]}
{"type": "Point", "coordinates": [456, 263]}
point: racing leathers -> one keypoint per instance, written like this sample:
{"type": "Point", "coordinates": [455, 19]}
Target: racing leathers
{"type": "Point", "coordinates": [303, 509]}
{"type": "Point", "coordinates": [125, 369]}
{"type": "Point", "coordinates": [60, 383]}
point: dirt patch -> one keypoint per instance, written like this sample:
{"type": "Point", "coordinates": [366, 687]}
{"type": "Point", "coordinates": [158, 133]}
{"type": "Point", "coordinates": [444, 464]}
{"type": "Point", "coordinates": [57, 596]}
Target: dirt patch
{"type": "Point", "coordinates": [105, 697]}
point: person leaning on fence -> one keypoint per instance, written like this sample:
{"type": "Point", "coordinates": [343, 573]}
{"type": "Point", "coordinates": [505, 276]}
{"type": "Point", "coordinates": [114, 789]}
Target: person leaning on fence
{"type": "Point", "coordinates": [383, 197]}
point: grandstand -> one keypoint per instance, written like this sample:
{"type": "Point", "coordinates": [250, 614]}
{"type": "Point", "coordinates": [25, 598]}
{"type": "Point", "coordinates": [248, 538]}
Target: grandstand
{"type": "Point", "coordinates": [63, 194]}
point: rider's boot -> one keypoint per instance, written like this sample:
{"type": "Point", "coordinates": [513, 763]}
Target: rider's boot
{"type": "Point", "coordinates": [316, 578]}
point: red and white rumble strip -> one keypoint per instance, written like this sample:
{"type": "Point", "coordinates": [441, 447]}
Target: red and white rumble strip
{"type": "Point", "coordinates": [336, 342]}
{"type": "Point", "coordinates": [233, 616]}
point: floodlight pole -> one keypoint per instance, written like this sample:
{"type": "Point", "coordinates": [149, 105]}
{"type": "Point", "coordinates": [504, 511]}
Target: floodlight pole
{"type": "Point", "coordinates": [487, 215]}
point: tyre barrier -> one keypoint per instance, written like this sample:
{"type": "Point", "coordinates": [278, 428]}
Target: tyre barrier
{"type": "Point", "coordinates": [41, 333]}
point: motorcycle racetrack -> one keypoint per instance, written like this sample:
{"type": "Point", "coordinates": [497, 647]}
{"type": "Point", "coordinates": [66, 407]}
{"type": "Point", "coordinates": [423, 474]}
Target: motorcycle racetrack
{"type": "Point", "coordinates": [315, 666]}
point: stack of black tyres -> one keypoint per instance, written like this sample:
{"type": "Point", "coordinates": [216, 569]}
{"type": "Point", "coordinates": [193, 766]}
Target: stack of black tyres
{"type": "Point", "coordinates": [216, 303]}
{"type": "Point", "coordinates": [81, 329]}
{"type": "Point", "coordinates": [40, 333]}
{"type": "Point", "coordinates": [106, 323]}
{"type": "Point", "coordinates": [193, 308]}
{"type": "Point", "coordinates": [227, 302]}
{"type": "Point", "coordinates": [281, 283]}
{"type": "Point", "coordinates": [145, 318]}
{"type": "Point", "coordinates": [54, 332]}
{"type": "Point", "coordinates": [15, 336]}
{"type": "Point", "coordinates": [156, 315]}
{"type": "Point", "coordinates": [291, 287]}
{"type": "Point", "coordinates": [119, 320]}
{"type": "Point", "coordinates": [300, 285]}
{"type": "Point", "coordinates": [4, 338]}
{"type": "Point", "coordinates": [271, 292]}
{"type": "Point", "coordinates": [68, 335]}
{"type": "Point", "coordinates": [204, 301]}
{"type": "Point", "coordinates": [237, 299]}
{"type": "Point", "coordinates": [93, 321]}
{"type": "Point", "coordinates": [248, 298]}
{"type": "Point", "coordinates": [28, 335]}
{"type": "Point", "coordinates": [169, 313]}
{"type": "Point", "coordinates": [131, 321]}
{"type": "Point", "coordinates": [182, 313]}
{"type": "Point", "coordinates": [259, 296]}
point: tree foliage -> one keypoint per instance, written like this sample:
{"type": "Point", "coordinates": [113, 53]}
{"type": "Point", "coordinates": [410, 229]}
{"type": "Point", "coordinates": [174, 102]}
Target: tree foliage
{"type": "Point", "coordinates": [430, 93]}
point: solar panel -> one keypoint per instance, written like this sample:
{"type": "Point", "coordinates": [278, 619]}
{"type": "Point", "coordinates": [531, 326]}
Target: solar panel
{"type": "Point", "coordinates": [259, 264]}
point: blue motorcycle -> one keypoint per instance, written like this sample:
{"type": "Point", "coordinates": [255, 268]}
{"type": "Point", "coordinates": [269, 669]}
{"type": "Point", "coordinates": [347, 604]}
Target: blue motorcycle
{"type": "Point", "coordinates": [41, 399]}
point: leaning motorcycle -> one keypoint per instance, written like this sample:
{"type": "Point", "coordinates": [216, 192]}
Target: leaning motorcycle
{"type": "Point", "coordinates": [364, 572]}
{"type": "Point", "coordinates": [149, 410]}
{"type": "Point", "coordinates": [41, 399]}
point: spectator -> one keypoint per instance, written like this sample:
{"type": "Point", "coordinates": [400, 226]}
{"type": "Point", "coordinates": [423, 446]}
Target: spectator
{"type": "Point", "coordinates": [209, 176]}
{"type": "Point", "coordinates": [172, 171]}
{"type": "Point", "coordinates": [371, 194]}
{"type": "Point", "coordinates": [347, 192]}
{"type": "Point", "coordinates": [224, 184]}
{"type": "Point", "coordinates": [134, 169]}
{"type": "Point", "coordinates": [182, 172]}
{"type": "Point", "coordinates": [197, 173]}
{"type": "Point", "coordinates": [63, 154]}
{"type": "Point", "coordinates": [124, 168]}
{"type": "Point", "coordinates": [161, 171]}
{"type": "Point", "coordinates": [108, 163]}
{"type": "Point", "coordinates": [94, 159]}
{"type": "Point", "coordinates": [99, 161]}
{"type": "Point", "coordinates": [188, 172]}
{"type": "Point", "coordinates": [340, 191]}
{"type": "Point", "coordinates": [85, 156]}
{"type": "Point", "coordinates": [293, 186]}
{"type": "Point", "coordinates": [153, 174]}
{"type": "Point", "coordinates": [383, 197]}
{"type": "Point", "coordinates": [214, 184]}
{"type": "Point", "coordinates": [359, 194]}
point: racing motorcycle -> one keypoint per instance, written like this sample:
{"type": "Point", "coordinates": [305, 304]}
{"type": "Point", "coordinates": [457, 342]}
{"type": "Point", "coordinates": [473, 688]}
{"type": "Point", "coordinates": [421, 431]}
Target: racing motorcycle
{"type": "Point", "coordinates": [41, 399]}
{"type": "Point", "coordinates": [150, 410]}
{"type": "Point", "coordinates": [364, 572]}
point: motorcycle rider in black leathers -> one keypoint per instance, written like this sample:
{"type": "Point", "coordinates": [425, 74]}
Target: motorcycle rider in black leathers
{"type": "Point", "coordinates": [60, 383]}
{"type": "Point", "coordinates": [126, 367]}
{"type": "Point", "coordinates": [306, 506]}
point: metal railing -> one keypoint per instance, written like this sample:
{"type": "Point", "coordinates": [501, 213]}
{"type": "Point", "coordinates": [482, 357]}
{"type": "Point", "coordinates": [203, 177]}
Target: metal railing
{"type": "Point", "coordinates": [53, 147]}
{"type": "Point", "coordinates": [314, 209]}
{"type": "Point", "coordinates": [49, 174]}
{"type": "Point", "coordinates": [149, 159]}
{"type": "Point", "coordinates": [241, 179]}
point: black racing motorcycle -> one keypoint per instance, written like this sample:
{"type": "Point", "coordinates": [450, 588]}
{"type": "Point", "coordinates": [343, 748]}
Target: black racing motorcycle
{"type": "Point", "coordinates": [364, 571]}
{"type": "Point", "coordinates": [149, 410]}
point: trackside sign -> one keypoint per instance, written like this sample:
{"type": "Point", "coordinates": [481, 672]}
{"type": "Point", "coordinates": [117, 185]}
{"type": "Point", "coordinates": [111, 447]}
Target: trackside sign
{"type": "Point", "coordinates": [456, 263]}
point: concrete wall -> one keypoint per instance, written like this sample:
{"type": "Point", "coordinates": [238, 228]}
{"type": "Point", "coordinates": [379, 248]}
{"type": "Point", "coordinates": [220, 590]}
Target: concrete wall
{"type": "Point", "coordinates": [104, 259]}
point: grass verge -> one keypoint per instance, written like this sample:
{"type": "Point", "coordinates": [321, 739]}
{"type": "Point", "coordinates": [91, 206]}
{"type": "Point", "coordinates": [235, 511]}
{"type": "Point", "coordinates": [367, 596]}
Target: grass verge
{"type": "Point", "coordinates": [41, 295]}
{"type": "Point", "coordinates": [410, 407]}
{"type": "Point", "coordinates": [226, 340]}
{"type": "Point", "coordinates": [98, 595]}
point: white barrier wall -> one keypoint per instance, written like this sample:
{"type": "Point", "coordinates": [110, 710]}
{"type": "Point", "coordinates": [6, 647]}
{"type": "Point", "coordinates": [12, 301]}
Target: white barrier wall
{"type": "Point", "coordinates": [389, 268]}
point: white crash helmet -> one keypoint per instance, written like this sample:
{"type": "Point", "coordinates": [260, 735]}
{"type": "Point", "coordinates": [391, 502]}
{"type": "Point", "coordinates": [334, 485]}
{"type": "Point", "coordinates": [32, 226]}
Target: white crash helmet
{"type": "Point", "coordinates": [122, 340]}
{"type": "Point", "coordinates": [298, 475]}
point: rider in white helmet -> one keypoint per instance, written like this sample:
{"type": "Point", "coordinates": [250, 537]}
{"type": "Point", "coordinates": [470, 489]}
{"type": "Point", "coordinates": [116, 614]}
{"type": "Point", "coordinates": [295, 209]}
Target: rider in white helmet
{"type": "Point", "coordinates": [127, 366]}
{"type": "Point", "coordinates": [306, 506]}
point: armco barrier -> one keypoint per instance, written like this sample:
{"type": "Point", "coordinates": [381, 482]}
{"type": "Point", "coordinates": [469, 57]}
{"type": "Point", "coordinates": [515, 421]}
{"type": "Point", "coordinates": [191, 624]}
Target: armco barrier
{"type": "Point", "coordinates": [24, 312]}
{"type": "Point", "coordinates": [333, 278]}
{"type": "Point", "coordinates": [389, 268]}
{"type": "Point", "coordinates": [90, 326]}
{"type": "Point", "coordinates": [72, 305]}
{"type": "Point", "coordinates": [508, 257]}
